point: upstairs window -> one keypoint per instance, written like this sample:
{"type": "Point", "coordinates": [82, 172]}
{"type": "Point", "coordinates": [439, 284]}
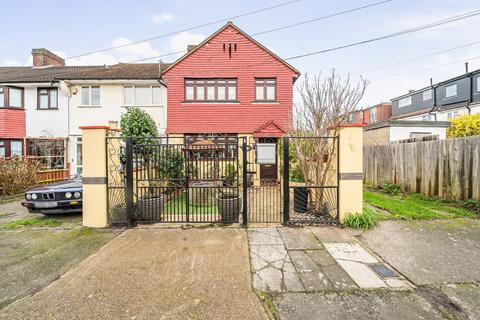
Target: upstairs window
{"type": "Point", "coordinates": [91, 95]}
{"type": "Point", "coordinates": [427, 95]}
{"type": "Point", "coordinates": [405, 102]}
{"type": "Point", "coordinates": [451, 91]}
{"type": "Point", "coordinates": [373, 115]}
{"type": "Point", "coordinates": [216, 90]}
{"type": "Point", "coordinates": [47, 98]}
{"type": "Point", "coordinates": [142, 95]}
{"type": "Point", "coordinates": [265, 89]}
{"type": "Point", "coordinates": [11, 97]}
{"type": "Point", "coordinates": [478, 84]}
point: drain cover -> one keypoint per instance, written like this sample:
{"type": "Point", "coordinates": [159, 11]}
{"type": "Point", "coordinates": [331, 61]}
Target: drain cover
{"type": "Point", "coordinates": [382, 270]}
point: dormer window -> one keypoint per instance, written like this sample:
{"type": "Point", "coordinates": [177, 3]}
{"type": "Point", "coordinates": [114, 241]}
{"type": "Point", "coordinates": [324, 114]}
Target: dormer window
{"type": "Point", "coordinates": [427, 95]}
{"type": "Point", "coordinates": [11, 97]}
{"type": "Point", "coordinates": [405, 102]}
{"type": "Point", "coordinates": [451, 91]}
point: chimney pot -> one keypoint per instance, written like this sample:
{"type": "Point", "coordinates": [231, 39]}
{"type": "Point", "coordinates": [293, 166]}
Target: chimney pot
{"type": "Point", "coordinates": [43, 57]}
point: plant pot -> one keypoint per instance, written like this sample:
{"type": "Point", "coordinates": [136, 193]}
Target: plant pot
{"type": "Point", "coordinates": [300, 199]}
{"type": "Point", "coordinates": [150, 209]}
{"type": "Point", "coordinates": [229, 208]}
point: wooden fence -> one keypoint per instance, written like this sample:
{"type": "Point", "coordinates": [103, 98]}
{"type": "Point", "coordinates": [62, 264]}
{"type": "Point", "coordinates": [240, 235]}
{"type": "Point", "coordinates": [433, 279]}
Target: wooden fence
{"type": "Point", "coordinates": [444, 168]}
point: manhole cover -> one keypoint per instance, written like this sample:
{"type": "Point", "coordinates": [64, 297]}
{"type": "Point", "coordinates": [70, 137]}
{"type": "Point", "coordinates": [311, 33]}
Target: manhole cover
{"type": "Point", "coordinates": [382, 270]}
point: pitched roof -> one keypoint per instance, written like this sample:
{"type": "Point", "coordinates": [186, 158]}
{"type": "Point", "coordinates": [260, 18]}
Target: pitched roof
{"type": "Point", "coordinates": [230, 24]}
{"type": "Point", "coordinates": [141, 71]}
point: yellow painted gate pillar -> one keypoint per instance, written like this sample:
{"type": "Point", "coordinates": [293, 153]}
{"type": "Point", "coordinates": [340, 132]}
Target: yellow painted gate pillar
{"type": "Point", "coordinates": [350, 170]}
{"type": "Point", "coordinates": [94, 176]}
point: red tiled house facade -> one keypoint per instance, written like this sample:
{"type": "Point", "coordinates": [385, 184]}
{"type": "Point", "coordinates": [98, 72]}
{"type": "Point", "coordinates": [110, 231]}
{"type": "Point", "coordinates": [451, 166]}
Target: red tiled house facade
{"type": "Point", "coordinates": [12, 121]}
{"type": "Point", "coordinates": [378, 113]}
{"type": "Point", "coordinates": [230, 84]}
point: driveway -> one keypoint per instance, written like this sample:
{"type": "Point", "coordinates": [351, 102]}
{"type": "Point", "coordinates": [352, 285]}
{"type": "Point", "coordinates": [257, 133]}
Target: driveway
{"type": "Point", "coordinates": [154, 274]}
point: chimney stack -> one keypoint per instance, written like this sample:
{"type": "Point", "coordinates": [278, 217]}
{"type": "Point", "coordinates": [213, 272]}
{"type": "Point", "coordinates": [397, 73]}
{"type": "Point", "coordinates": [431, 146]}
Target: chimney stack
{"type": "Point", "coordinates": [43, 58]}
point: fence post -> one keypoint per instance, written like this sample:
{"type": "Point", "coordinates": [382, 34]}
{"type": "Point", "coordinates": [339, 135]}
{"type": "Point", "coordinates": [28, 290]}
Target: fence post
{"type": "Point", "coordinates": [129, 182]}
{"type": "Point", "coordinates": [245, 182]}
{"type": "Point", "coordinates": [286, 181]}
{"type": "Point", "coordinates": [95, 209]}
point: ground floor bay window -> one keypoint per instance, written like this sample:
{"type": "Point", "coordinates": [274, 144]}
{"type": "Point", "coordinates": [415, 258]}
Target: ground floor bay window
{"type": "Point", "coordinates": [51, 153]}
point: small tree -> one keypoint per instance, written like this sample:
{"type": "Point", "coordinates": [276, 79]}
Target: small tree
{"type": "Point", "coordinates": [464, 126]}
{"type": "Point", "coordinates": [141, 128]}
{"type": "Point", "coordinates": [325, 104]}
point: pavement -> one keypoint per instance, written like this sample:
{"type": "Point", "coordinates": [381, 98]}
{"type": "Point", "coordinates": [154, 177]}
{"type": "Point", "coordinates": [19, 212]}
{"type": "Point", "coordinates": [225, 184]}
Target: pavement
{"type": "Point", "coordinates": [426, 270]}
{"type": "Point", "coordinates": [154, 274]}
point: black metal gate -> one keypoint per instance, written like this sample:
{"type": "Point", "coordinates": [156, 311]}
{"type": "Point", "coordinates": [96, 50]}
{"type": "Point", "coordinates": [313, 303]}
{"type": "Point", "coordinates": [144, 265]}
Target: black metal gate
{"type": "Point", "coordinates": [207, 179]}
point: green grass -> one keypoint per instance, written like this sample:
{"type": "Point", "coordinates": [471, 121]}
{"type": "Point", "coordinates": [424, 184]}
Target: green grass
{"type": "Point", "coordinates": [32, 222]}
{"type": "Point", "coordinates": [415, 206]}
{"type": "Point", "coordinates": [178, 205]}
{"type": "Point", "coordinates": [367, 219]}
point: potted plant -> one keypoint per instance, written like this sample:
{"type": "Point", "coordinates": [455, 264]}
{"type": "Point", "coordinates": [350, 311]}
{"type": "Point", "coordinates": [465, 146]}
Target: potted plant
{"type": "Point", "coordinates": [229, 205]}
{"type": "Point", "coordinates": [230, 174]}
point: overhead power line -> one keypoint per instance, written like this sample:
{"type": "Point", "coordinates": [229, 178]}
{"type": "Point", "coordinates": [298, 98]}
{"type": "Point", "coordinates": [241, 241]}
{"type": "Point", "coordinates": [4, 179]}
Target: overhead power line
{"type": "Point", "coordinates": [285, 27]}
{"type": "Point", "coordinates": [418, 58]}
{"type": "Point", "coordinates": [186, 29]}
{"type": "Point", "coordinates": [396, 34]}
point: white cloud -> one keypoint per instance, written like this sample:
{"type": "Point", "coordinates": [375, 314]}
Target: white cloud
{"type": "Point", "coordinates": [182, 40]}
{"type": "Point", "coordinates": [143, 49]}
{"type": "Point", "coordinates": [162, 17]}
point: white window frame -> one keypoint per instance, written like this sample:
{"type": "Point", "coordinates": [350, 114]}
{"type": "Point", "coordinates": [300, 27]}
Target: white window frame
{"type": "Point", "coordinates": [427, 95]}
{"type": "Point", "coordinates": [78, 164]}
{"type": "Point", "coordinates": [405, 102]}
{"type": "Point", "coordinates": [478, 83]}
{"type": "Point", "coordinates": [151, 96]}
{"type": "Point", "coordinates": [90, 95]}
{"type": "Point", "coordinates": [455, 85]}
{"type": "Point", "coordinates": [373, 115]}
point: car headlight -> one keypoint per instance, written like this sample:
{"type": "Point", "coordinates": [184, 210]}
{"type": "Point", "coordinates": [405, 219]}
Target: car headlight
{"type": "Point", "coordinates": [28, 196]}
{"type": "Point", "coordinates": [77, 194]}
{"type": "Point", "coordinates": [34, 196]}
{"type": "Point", "coordinates": [68, 195]}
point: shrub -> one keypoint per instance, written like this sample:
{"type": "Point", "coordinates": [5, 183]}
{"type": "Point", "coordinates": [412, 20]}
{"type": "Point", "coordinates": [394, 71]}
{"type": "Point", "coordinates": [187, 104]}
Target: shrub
{"type": "Point", "coordinates": [170, 164]}
{"type": "Point", "coordinates": [464, 126]}
{"type": "Point", "coordinates": [17, 175]}
{"type": "Point", "coordinates": [230, 171]}
{"type": "Point", "coordinates": [367, 219]}
{"type": "Point", "coordinates": [391, 189]}
{"type": "Point", "coordinates": [472, 205]}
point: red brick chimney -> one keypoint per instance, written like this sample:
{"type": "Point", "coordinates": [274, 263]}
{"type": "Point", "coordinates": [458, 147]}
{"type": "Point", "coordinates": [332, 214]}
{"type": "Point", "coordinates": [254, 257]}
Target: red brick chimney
{"type": "Point", "coordinates": [42, 58]}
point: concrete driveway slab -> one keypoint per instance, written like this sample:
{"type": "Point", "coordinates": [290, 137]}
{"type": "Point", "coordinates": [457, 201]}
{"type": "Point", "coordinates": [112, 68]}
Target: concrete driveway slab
{"type": "Point", "coordinates": [358, 305]}
{"type": "Point", "coordinates": [429, 252]}
{"type": "Point", "coordinates": [153, 274]}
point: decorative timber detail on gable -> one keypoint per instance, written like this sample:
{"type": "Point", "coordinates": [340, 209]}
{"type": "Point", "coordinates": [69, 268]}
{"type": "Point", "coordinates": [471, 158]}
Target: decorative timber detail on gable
{"type": "Point", "coordinates": [269, 129]}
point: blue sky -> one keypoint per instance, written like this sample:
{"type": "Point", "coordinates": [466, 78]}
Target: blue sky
{"type": "Point", "coordinates": [70, 28]}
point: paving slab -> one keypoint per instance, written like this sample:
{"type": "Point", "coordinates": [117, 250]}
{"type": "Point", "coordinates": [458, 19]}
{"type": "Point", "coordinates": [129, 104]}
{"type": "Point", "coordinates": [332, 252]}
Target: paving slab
{"type": "Point", "coordinates": [350, 252]}
{"type": "Point", "coordinates": [153, 274]}
{"type": "Point", "coordinates": [339, 279]}
{"type": "Point", "coordinates": [315, 280]}
{"type": "Point", "coordinates": [264, 256]}
{"type": "Point", "coordinates": [429, 252]}
{"type": "Point", "coordinates": [363, 276]}
{"type": "Point", "coordinates": [302, 261]}
{"type": "Point", "coordinates": [321, 257]}
{"type": "Point", "coordinates": [264, 236]}
{"type": "Point", "coordinates": [384, 305]}
{"type": "Point", "coordinates": [333, 234]}
{"type": "Point", "coordinates": [299, 239]}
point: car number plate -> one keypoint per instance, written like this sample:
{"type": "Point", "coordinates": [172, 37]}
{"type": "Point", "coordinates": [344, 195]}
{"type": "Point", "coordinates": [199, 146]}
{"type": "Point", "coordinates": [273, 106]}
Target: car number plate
{"type": "Point", "coordinates": [46, 204]}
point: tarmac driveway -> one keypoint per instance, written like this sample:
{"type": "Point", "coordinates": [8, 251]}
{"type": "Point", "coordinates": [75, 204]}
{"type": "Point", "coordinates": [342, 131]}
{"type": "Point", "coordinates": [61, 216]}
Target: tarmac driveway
{"type": "Point", "coordinates": [154, 274]}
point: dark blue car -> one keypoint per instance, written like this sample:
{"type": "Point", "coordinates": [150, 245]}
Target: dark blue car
{"type": "Point", "coordinates": [57, 198]}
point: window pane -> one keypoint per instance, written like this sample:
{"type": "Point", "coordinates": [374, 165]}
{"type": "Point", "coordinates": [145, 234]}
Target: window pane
{"type": "Point", "coordinates": [189, 93]}
{"type": "Point", "coordinates": [270, 93]}
{"type": "Point", "coordinates": [79, 154]}
{"type": "Point", "coordinates": [16, 149]}
{"type": "Point", "coordinates": [128, 96]}
{"type": "Point", "coordinates": [15, 98]}
{"type": "Point", "coordinates": [53, 98]}
{"type": "Point", "coordinates": [232, 93]}
{"type": "Point", "coordinates": [211, 93]}
{"type": "Point", "coordinates": [200, 93]}
{"type": "Point", "coordinates": [85, 96]}
{"type": "Point", "coordinates": [142, 95]}
{"type": "Point", "coordinates": [95, 95]}
{"type": "Point", "coordinates": [221, 93]}
{"type": "Point", "coordinates": [427, 95]}
{"type": "Point", "coordinates": [451, 91]}
{"type": "Point", "coordinates": [478, 85]}
{"type": "Point", "coordinates": [2, 149]}
{"type": "Point", "coordinates": [1, 98]}
{"type": "Point", "coordinates": [43, 101]}
{"type": "Point", "coordinates": [259, 93]}
{"type": "Point", "coordinates": [157, 95]}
